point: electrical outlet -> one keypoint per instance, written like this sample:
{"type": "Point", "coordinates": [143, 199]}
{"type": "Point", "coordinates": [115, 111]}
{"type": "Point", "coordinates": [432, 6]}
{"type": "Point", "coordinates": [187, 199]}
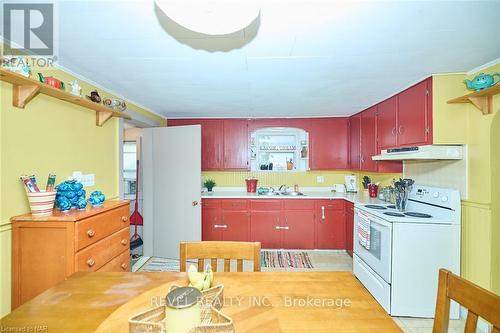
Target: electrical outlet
{"type": "Point", "coordinates": [88, 180]}
{"type": "Point", "coordinates": [320, 179]}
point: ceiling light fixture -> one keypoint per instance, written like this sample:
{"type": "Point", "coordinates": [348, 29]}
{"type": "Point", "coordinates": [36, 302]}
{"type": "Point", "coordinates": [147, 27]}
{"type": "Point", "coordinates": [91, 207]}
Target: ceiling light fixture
{"type": "Point", "coordinates": [211, 17]}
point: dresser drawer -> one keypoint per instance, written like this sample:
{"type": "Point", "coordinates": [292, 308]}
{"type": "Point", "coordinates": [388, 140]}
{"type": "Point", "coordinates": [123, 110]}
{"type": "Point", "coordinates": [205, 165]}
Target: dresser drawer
{"type": "Point", "coordinates": [98, 227]}
{"type": "Point", "coordinates": [121, 263]}
{"type": "Point", "coordinates": [234, 204]}
{"type": "Point", "coordinates": [98, 254]}
{"type": "Point", "coordinates": [335, 204]}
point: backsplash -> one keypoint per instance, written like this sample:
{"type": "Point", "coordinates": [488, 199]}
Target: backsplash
{"type": "Point", "coordinates": [446, 173]}
{"type": "Point", "coordinates": [309, 178]}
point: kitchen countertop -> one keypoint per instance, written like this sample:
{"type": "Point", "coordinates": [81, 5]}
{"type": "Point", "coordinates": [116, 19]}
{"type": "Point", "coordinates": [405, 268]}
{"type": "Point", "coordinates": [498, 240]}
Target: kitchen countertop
{"type": "Point", "coordinates": [309, 193]}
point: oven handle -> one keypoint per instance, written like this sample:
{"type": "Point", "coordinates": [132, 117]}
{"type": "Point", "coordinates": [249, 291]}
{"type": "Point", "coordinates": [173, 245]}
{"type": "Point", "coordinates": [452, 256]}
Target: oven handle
{"type": "Point", "coordinates": [372, 218]}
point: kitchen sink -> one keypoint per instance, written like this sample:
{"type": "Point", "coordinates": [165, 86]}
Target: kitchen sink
{"type": "Point", "coordinates": [283, 194]}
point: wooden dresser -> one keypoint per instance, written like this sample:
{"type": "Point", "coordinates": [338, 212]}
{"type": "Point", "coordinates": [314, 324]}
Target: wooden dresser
{"type": "Point", "coordinates": [46, 250]}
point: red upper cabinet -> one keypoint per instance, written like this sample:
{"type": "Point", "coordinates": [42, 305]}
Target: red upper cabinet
{"type": "Point", "coordinates": [368, 139]}
{"type": "Point", "coordinates": [329, 144]}
{"type": "Point", "coordinates": [415, 115]}
{"type": "Point", "coordinates": [235, 144]}
{"type": "Point", "coordinates": [355, 142]}
{"type": "Point", "coordinates": [386, 123]}
{"type": "Point", "coordinates": [211, 141]}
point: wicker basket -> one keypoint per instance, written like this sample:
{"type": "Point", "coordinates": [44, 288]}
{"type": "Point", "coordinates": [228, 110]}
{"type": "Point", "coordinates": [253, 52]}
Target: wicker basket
{"type": "Point", "coordinates": [212, 320]}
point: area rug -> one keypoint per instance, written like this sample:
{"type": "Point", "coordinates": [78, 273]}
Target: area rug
{"type": "Point", "coordinates": [285, 259]}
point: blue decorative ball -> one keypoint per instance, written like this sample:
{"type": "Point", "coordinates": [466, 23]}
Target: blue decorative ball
{"type": "Point", "coordinates": [82, 203]}
{"type": "Point", "coordinates": [64, 204]}
{"type": "Point", "coordinates": [96, 198]}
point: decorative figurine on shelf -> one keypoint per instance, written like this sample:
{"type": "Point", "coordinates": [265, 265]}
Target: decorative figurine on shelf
{"type": "Point", "coordinates": [63, 204]}
{"type": "Point", "coordinates": [94, 97]}
{"type": "Point", "coordinates": [17, 65]}
{"type": "Point", "coordinates": [51, 81]}
{"type": "Point", "coordinates": [482, 81]}
{"type": "Point", "coordinates": [75, 88]}
{"type": "Point", "coordinates": [72, 192]}
{"type": "Point", "coordinates": [115, 104]}
{"type": "Point", "coordinates": [96, 198]}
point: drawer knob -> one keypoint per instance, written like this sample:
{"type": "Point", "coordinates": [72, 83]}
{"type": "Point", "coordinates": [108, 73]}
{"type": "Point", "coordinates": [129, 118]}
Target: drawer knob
{"type": "Point", "coordinates": [124, 218]}
{"type": "Point", "coordinates": [90, 262]}
{"type": "Point", "coordinates": [91, 233]}
{"type": "Point", "coordinates": [124, 266]}
{"type": "Point", "coordinates": [124, 241]}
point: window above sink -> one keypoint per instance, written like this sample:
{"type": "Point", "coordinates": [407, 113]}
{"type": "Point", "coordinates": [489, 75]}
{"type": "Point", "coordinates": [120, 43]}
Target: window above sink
{"type": "Point", "coordinates": [279, 149]}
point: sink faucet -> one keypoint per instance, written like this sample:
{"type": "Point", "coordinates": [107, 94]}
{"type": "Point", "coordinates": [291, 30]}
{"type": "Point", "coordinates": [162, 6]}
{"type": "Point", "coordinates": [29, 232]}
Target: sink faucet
{"type": "Point", "coordinates": [282, 187]}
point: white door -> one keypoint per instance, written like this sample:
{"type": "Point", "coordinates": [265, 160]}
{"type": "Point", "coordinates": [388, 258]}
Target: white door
{"type": "Point", "coordinates": [171, 188]}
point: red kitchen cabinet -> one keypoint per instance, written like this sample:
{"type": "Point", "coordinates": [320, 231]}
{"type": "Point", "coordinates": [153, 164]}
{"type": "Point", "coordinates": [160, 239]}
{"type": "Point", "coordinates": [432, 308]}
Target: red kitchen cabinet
{"type": "Point", "coordinates": [349, 227]}
{"type": "Point", "coordinates": [263, 228]}
{"type": "Point", "coordinates": [298, 229]}
{"type": "Point", "coordinates": [415, 115]}
{"type": "Point", "coordinates": [235, 225]}
{"type": "Point", "coordinates": [211, 224]}
{"type": "Point", "coordinates": [329, 143]}
{"type": "Point", "coordinates": [235, 142]}
{"type": "Point", "coordinates": [355, 142]}
{"type": "Point", "coordinates": [387, 123]}
{"type": "Point", "coordinates": [330, 226]}
{"type": "Point", "coordinates": [255, 124]}
{"type": "Point", "coordinates": [368, 139]}
{"type": "Point", "coordinates": [211, 141]}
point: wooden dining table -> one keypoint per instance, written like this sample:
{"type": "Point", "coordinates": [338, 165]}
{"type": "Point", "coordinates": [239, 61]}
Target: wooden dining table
{"type": "Point", "coordinates": [257, 302]}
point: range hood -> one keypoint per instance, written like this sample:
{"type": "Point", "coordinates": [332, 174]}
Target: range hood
{"type": "Point", "coordinates": [429, 152]}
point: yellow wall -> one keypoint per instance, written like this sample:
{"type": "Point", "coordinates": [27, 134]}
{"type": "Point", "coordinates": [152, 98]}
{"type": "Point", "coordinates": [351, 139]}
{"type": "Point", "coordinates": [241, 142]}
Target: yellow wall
{"type": "Point", "coordinates": [464, 123]}
{"type": "Point", "coordinates": [49, 135]}
{"type": "Point", "coordinates": [308, 179]}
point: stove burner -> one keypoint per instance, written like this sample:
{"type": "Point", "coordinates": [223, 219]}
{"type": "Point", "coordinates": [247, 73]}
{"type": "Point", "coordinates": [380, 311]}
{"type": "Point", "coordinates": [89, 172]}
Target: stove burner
{"type": "Point", "coordinates": [392, 206]}
{"type": "Point", "coordinates": [394, 214]}
{"type": "Point", "coordinates": [415, 214]}
{"type": "Point", "coordinates": [375, 207]}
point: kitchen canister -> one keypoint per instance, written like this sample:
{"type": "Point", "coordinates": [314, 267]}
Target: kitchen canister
{"type": "Point", "coordinates": [183, 310]}
{"type": "Point", "coordinates": [41, 203]}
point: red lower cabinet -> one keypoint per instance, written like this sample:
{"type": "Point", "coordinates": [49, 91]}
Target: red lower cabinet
{"type": "Point", "coordinates": [330, 224]}
{"type": "Point", "coordinates": [349, 227]}
{"type": "Point", "coordinates": [298, 231]}
{"type": "Point", "coordinates": [236, 225]}
{"type": "Point", "coordinates": [211, 226]}
{"type": "Point", "coordinates": [263, 229]}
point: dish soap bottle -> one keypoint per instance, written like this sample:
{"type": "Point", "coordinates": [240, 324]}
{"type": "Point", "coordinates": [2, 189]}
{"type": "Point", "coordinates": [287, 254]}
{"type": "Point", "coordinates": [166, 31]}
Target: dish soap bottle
{"type": "Point", "coordinates": [289, 165]}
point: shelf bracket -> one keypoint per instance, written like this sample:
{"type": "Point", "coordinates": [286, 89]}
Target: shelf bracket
{"type": "Point", "coordinates": [22, 94]}
{"type": "Point", "coordinates": [483, 103]}
{"type": "Point", "coordinates": [102, 117]}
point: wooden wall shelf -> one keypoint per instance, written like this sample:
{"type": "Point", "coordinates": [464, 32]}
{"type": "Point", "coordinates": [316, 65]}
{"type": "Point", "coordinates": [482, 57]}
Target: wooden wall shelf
{"type": "Point", "coordinates": [482, 99]}
{"type": "Point", "coordinates": [26, 88]}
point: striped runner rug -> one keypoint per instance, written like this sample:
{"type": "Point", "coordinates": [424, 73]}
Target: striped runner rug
{"type": "Point", "coordinates": [285, 259]}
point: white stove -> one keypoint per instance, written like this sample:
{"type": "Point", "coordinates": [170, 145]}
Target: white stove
{"type": "Point", "coordinates": [397, 255]}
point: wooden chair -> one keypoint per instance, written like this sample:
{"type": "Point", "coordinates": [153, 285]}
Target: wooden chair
{"type": "Point", "coordinates": [220, 250]}
{"type": "Point", "coordinates": [479, 302]}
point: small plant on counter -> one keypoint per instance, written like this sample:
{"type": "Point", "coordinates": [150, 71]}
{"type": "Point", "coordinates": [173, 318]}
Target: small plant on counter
{"type": "Point", "coordinates": [209, 184]}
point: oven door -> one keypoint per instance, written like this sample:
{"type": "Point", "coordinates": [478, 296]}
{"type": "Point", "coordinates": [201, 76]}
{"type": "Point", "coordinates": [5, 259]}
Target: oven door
{"type": "Point", "coordinates": [378, 257]}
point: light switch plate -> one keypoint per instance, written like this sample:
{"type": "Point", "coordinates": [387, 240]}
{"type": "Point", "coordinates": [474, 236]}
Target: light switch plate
{"type": "Point", "coordinates": [320, 179]}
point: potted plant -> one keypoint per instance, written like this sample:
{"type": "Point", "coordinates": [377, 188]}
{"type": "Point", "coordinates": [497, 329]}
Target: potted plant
{"type": "Point", "coordinates": [209, 184]}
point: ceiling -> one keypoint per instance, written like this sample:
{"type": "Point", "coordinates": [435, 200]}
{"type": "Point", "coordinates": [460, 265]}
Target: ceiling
{"type": "Point", "coordinates": [302, 58]}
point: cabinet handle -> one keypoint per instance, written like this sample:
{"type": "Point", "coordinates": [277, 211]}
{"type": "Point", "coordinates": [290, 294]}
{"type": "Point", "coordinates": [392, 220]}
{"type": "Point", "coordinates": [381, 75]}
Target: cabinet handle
{"type": "Point", "coordinates": [124, 218]}
{"type": "Point", "coordinates": [124, 242]}
{"type": "Point", "coordinates": [223, 226]}
{"type": "Point", "coordinates": [401, 129]}
{"type": "Point", "coordinates": [124, 266]}
{"type": "Point", "coordinates": [280, 228]}
{"type": "Point", "coordinates": [393, 131]}
{"type": "Point", "coordinates": [90, 233]}
{"type": "Point", "coordinates": [90, 262]}
{"type": "Point", "coordinates": [322, 212]}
